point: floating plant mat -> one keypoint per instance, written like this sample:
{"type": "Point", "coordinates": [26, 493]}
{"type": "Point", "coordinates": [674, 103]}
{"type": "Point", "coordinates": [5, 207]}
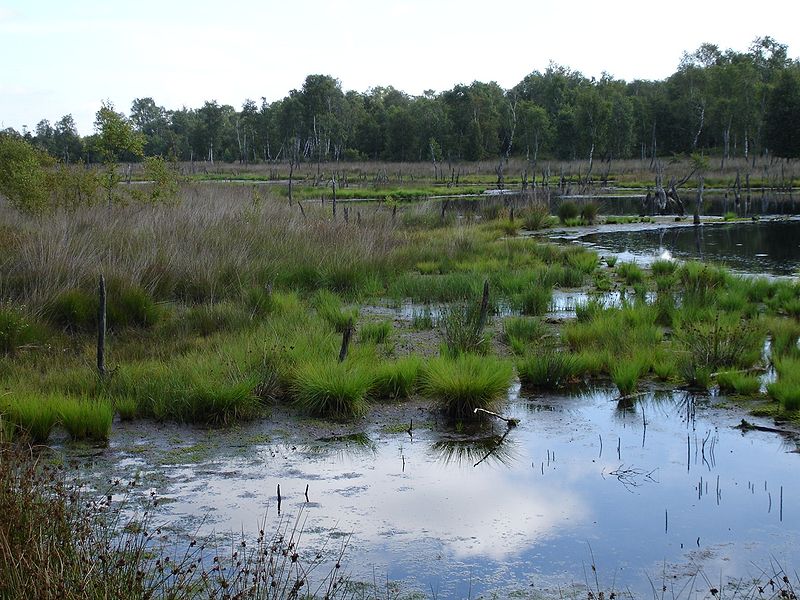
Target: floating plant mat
{"type": "Point", "coordinates": [661, 486]}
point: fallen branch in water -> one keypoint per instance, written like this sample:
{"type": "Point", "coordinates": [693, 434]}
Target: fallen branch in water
{"type": "Point", "coordinates": [509, 422]}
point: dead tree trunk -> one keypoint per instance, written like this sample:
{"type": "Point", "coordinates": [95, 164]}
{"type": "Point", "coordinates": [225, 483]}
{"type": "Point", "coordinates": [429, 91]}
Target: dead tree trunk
{"type": "Point", "coordinates": [698, 200]}
{"type": "Point", "coordinates": [101, 328]}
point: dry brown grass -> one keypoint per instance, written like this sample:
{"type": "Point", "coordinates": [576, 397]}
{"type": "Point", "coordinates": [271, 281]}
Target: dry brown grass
{"type": "Point", "coordinates": [209, 246]}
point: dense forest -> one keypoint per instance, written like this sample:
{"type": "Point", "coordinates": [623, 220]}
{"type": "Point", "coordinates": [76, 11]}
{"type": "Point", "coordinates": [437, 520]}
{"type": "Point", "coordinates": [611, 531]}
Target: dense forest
{"type": "Point", "coordinates": [727, 102]}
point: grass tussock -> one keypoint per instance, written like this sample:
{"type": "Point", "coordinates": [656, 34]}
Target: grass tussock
{"type": "Point", "coordinates": [739, 383]}
{"type": "Point", "coordinates": [625, 374]}
{"type": "Point", "coordinates": [332, 390]}
{"type": "Point", "coordinates": [462, 384]}
{"type": "Point", "coordinates": [549, 369]}
{"type": "Point", "coordinates": [396, 380]}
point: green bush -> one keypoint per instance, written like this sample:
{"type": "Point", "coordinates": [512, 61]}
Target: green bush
{"type": "Point", "coordinates": [462, 384]}
{"type": "Point", "coordinates": [329, 307]}
{"type": "Point", "coordinates": [462, 329]}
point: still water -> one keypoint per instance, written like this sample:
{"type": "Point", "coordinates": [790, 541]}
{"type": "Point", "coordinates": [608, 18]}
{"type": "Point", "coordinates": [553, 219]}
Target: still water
{"type": "Point", "coordinates": [768, 247]}
{"type": "Point", "coordinates": [663, 489]}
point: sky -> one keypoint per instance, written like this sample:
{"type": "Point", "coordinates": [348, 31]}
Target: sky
{"type": "Point", "coordinates": [67, 56]}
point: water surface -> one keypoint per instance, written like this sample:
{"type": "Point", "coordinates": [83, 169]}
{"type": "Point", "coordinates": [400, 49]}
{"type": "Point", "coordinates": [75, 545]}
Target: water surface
{"type": "Point", "coordinates": [768, 247]}
{"type": "Point", "coordinates": [662, 487]}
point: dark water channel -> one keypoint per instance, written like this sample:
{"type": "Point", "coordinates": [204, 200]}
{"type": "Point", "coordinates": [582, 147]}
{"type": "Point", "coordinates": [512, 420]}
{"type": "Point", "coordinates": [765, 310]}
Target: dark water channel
{"type": "Point", "coordinates": [664, 488]}
{"type": "Point", "coordinates": [768, 247]}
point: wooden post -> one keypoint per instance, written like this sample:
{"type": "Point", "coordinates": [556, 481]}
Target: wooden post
{"type": "Point", "coordinates": [101, 328]}
{"type": "Point", "coordinates": [484, 306]}
{"type": "Point", "coordinates": [346, 335]}
{"type": "Point", "coordinates": [698, 200]}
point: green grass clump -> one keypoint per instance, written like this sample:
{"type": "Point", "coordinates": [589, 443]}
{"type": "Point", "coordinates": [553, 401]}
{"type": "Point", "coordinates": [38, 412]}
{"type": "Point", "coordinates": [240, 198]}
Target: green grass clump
{"type": "Point", "coordinates": [786, 389]}
{"type": "Point", "coordinates": [422, 319]}
{"type": "Point", "coordinates": [535, 217]}
{"type": "Point", "coordinates": [521, 331]}
{"type": "Point", "coordinates": [625, 374]}
{"type": "Point", "coordinates": [130, 306]}
{"type": "Point", "coordinates": [548, 369]}
{"type": "Point", "coordinates": [729, 216]}
{"type": "Point", "coordinates": [785, 338]}
{"type": "Point", "coordinates": [32, 415]}
{"type": "Point", "coordinates": [376, 333]}
{"type": "Point", "coordinates": [397, 379]}
{"type": "Point", "coordinates": [589, 213]}
{"type": "Point", "coordinates": [738, 382]}
{"type": "Point", "coordinates": [207, 319]}
{"type": "Point", "coordinates": [568, 211]}
{"type": "Point", "coordinates": [86, 419]}
{"type": "Point", "coordinates": [630, 272]}
{"type": "Point", "coordinates": [329, 307]}
{"type": "Point", "coordinates": [331, 390]}
{"type": "Point", "coordinates": [16, 330]}
{"type": "Point", "coordinates": [663, 268]}
{"type": "Point", "coordinates": [462, 330]}
{"type": "Point", "coordinates": [260, 301]}
{"type": "Point", "coordinates": [535, 300]}
{"type": "Point", "coordinates": [701, 282]}
{"type": "Point", "coordinates": [466, 382]}
{"type": "Point", "coordinates": [625, 330]}
{"type": "Point", "coordinates": [611, 261]}
{"type": "Point", "coordinates": [126, 408]}
{"type": "Point", "coordinates": [74, 310]}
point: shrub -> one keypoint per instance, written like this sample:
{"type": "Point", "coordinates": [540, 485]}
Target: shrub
{"type": "Point", "coordinates": [465, 383]}
{"type": "Point", "coordinates": [567, 211]}
{"type": "Point", "coordinates": [376, 333]}
{"type": "Point", "coordinates": [331, 389]}
{"type": "Point", "coordinates": [548, 369]}
{"type": "Point", "coordinates": [86, 419]}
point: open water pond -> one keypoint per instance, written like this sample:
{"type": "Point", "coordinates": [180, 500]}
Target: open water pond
{"type": "Point", "coordinates": [769, 247]}
{"type": "Point", "coordinates": [662, 487]}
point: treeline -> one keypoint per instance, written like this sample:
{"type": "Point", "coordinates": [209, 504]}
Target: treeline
{"type": "Point", "coordinates": [727, 102]}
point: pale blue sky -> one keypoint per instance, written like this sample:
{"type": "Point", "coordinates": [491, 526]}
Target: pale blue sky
{"type": "Point", "coordinates": [67, 56]}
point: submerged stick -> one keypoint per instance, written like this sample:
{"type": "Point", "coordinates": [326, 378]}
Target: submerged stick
{"type": "Point", "coordinates": [509, 421]}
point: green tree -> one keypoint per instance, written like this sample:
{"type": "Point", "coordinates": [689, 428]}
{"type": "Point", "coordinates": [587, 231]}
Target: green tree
{"type": "Point", "coordinates": [24, 179]}
{"type": "Point", "coordinates": [117, 139]}
{"type": "Point", "coordinates": [782, 127]}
